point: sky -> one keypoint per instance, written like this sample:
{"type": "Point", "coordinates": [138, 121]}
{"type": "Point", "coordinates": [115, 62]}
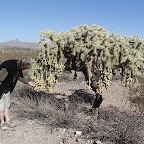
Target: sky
{"type": "Point", "coordinates": [25, 19]}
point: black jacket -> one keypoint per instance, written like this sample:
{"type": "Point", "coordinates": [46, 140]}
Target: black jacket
{"type": "Point", "coordinates": [12, 72]}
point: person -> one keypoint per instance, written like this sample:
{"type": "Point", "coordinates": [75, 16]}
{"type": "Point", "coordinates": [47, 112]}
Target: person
{"type": "Point", "coordinates": [10, 72]}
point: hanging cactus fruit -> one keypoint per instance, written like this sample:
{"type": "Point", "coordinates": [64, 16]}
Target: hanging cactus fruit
{"type": "Point", "coordinates": [91, 50]}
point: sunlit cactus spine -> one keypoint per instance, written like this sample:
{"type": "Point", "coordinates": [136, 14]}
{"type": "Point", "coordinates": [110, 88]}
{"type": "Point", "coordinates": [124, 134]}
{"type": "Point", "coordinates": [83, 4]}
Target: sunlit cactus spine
{"type": "Point", "coordinates": [88, 47]}
{"type": "Point", "coordinates": [49, 64]}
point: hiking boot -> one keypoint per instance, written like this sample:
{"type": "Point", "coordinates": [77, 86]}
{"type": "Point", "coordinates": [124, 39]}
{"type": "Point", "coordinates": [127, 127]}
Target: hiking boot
{"type": "Point", "coordinates": [4, 127]}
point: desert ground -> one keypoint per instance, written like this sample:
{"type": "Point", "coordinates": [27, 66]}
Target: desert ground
{"type": "Point", "coordinates": [64, 117]}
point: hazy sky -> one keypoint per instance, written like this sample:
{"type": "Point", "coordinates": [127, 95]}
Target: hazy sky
{"type": "Point", "coordinates": [25, 19]}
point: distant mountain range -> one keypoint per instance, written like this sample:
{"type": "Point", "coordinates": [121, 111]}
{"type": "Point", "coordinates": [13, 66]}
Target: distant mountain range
{"type": "Point", "coordinates": [19, 44]}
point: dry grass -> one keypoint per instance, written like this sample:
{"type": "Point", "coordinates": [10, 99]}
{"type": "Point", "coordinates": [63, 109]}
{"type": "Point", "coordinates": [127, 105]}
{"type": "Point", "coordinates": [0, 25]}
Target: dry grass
{"type": "Point", "coordinates": [113, 125]}
{"type": "Point", "coordinates": [119, 127]}
{"type": "Point", "coordinates": [137, 94]}
{"type": "Point", "coordinates": [51, 110]}
{"type": "Point", "coordinates": [15, 54]}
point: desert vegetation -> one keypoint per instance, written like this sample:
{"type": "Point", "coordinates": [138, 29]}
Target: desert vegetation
{"type": "Point", "coordinates": [72, 113]}
{"type": "Point", "coordinates": [93, 51]}
{"type": "Point", "coordinates": [136, 93]}
{"type": "Point", "coordinates": [15, 53]}
{"type": "Point", "coordinates": [98, 55]}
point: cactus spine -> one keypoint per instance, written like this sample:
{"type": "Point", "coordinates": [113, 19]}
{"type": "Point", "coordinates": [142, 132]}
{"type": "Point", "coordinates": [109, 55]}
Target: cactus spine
{"type": "Point", "coordinates": [88, 46]}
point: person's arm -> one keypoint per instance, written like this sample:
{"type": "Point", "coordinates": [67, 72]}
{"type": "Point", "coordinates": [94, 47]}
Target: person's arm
{"type": "Point", "coordinates": [23, 80]}
{"type": "Point", "coordinates": [26, 81]}
{"type": "Point", "coordinates": [3, 75]}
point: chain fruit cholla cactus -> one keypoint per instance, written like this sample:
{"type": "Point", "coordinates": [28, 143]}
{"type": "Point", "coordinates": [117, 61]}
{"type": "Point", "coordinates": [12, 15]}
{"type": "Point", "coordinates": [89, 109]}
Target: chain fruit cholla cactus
{"type": "Point", "coordinates": [48, 65]}
{"type": "Point", "coordinates": [91, 50]}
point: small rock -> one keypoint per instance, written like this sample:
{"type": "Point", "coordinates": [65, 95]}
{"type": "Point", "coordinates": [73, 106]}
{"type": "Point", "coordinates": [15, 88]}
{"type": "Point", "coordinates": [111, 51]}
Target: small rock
{"type": "Point", "coordinates": [99, 142]}
{"type": "Point", "coordinates": [78, 133]}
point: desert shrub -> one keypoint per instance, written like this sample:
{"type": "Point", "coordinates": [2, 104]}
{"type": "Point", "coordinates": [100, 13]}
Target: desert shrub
{"type": "Point", "coordinates": [56, 112]}
{"type": "Point", "coordinates": [136, 93]}
{"type": "Point", "coordinates": [119, 127]}
{"type": "Point", "coordinates": [72, 112]}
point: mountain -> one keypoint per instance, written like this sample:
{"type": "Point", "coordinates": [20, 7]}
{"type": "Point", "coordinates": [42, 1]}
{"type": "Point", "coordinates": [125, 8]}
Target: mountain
{"type": "Point", "coordinates": [19, 44]}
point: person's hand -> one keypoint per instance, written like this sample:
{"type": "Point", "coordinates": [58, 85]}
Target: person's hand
{"type": "Point", "coordinates": [32, 84]}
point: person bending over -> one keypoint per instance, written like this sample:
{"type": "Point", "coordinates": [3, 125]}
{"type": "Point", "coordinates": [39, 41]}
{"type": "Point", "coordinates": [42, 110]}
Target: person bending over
{"type": "Point", "coordinates": [10, 73]}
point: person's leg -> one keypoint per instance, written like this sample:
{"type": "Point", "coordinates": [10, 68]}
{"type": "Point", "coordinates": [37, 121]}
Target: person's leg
{"type": "Point", "coordinates": [2, 113]}
{"type": "Point", "coordinates": [7, 106]}
{"type": "Point", "coordinates": [2, 124]}
{"type": "Point", "coordinates": [2, 101]}
{"type": "Point", "coordinates": [6, 115]}
{"type": "Point", "coordinates": [1, 118]}
{"type": "Point", "coordinates": [8, 122]}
